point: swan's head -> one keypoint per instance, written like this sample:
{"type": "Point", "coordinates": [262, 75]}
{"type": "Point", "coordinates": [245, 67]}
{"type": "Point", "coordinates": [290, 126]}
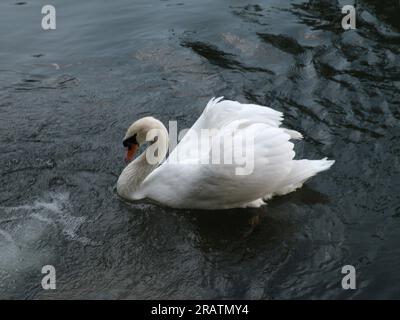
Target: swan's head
{"type": "Point", "coordinates": [144, 130]}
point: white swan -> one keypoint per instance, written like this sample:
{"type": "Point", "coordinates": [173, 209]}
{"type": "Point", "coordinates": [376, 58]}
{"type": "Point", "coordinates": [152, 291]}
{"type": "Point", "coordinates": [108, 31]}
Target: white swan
{"type": "Point", "coordinates": [184, 180]}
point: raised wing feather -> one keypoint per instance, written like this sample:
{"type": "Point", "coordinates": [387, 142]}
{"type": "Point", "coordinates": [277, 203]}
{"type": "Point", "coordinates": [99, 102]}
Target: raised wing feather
{"type": "Point", "coordinates": [219, 113]}
{"type": "Point", "coordinates": [266, 164]}
{"type": "Point", "coordinates": [189, 184]}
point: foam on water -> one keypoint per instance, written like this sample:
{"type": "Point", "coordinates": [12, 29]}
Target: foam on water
{"type": "Point", "coordinates": [22, 226]}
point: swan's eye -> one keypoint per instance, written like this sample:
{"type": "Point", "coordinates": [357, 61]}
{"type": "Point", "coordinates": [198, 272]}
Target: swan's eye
{"type": "Point", "coordinates": [128, 142]}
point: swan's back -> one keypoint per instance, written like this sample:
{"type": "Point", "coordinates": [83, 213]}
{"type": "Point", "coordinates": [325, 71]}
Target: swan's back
{"type": "Point", "coordinates": [272, 170]}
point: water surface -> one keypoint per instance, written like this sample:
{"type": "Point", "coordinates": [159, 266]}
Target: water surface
{"type": "Point", "coordinates": [67, 97]}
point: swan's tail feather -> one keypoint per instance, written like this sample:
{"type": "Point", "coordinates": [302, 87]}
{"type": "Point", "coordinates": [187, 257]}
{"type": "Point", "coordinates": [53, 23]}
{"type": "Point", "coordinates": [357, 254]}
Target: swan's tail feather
{"type": "Point", "coordinates": [301, 171]}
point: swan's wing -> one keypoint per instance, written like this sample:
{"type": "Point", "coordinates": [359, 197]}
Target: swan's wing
{"type": "Point", "coordinates": [266, 162]}
{"type": "Point", "coordinates": [219, 113]}
{"type": "Point", "coordinates": [259, 170]}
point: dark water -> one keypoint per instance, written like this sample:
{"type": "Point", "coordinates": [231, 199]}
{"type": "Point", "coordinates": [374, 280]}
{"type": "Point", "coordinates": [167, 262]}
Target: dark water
{"type": "Point", "coordinates": [67, 97]}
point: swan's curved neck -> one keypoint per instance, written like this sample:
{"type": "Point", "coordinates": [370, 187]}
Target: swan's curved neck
{"type": "Point", "coordinates": [131, 178]}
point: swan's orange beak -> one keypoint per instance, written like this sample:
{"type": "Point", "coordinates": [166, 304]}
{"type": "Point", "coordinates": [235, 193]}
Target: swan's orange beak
{"type": "Point", "coordinates": [130, 152]}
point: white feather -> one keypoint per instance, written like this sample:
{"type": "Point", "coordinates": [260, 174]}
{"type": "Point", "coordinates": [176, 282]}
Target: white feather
{"type": "Point", "coordinates": [218, 186]}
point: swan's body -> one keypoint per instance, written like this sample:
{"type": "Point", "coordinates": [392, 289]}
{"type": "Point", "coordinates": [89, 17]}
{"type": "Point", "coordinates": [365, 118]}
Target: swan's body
{"type": "Point", "coordinates": [187, 183]}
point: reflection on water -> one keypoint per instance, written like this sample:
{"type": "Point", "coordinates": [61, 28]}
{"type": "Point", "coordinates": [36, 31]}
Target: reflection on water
{"type": "Point", "coordinates": [66, 98]}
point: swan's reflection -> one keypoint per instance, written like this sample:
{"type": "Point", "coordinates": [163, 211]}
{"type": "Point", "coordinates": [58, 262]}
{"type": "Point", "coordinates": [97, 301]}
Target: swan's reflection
{"type": "Point", "coordinates": [224, 230]}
